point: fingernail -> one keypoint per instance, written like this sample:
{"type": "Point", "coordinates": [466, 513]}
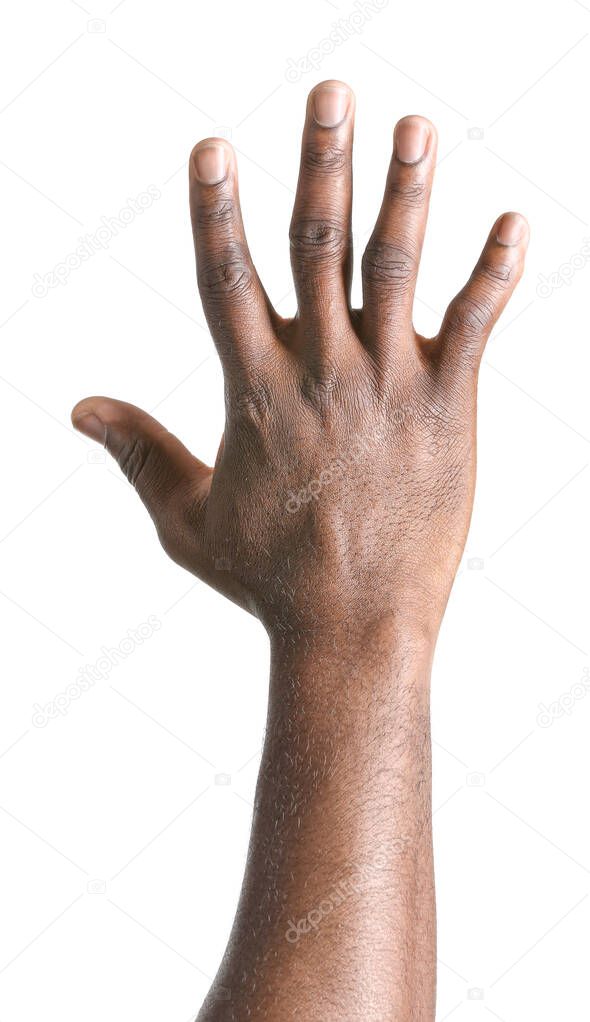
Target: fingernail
{"type": "Point", "coordinates": [91, 426]}
{"type": "Point", "coordinates": [210, 164]}
{"type": "Point", "coordinates": [411, 138]}
{"type": "Point", "coordinates": [330, 105]}
{"type": "Point", "coordinates": [510, 229]}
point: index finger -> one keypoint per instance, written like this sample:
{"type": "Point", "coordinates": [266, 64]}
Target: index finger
{"type": "Point", "coordinates": [234, 302]}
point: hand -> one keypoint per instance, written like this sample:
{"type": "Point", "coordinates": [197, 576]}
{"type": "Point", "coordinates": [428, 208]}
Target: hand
{"type": "Point", "coordinates": [343, 486]}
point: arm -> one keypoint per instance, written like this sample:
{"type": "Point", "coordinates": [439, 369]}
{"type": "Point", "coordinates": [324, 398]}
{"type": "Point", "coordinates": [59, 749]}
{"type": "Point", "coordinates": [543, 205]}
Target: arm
{"type": "Point", "coordinates": [336, 919]}
{"type": "Point", "coordinates": [340, 501]}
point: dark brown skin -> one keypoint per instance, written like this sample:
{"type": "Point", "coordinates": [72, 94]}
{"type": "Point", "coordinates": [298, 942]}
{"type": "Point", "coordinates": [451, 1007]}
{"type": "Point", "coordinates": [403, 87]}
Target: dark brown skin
{"type": "Point", "coordinates": [337, 513]}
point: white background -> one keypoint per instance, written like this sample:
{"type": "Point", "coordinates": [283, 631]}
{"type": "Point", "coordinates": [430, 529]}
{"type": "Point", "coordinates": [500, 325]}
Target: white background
{"type": "Point", "coordinates": [121, 857]}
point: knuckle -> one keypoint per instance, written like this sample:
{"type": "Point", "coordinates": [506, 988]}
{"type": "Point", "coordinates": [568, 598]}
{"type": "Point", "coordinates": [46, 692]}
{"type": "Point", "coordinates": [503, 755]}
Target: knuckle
{"type": "Point", "coordinates": [252, 404]}
{"type": "Point", "coordinates": [136, 461]}
{"type": "Point", "coordinates": [471, 316]}
{"type": "Point", "coordinates": [226, 277]}
{"type": "Point", "coordinates": [320, 385]}
{"type": "Point", "coordinates": [384, 263]}
{"type": "Point", "coordinates": [499, 274]}
{"type": "Point", "coordinates": [325, 159]}
{"type": "Point", "coordinates": [410, 194]}
{"type": "Point", "coordinates": [214, 214]}
{"type": "Point", "coordinates": [317, 239]}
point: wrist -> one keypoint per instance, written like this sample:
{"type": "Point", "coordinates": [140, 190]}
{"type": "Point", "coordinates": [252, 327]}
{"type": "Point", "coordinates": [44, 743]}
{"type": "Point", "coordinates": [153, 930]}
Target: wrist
{"type": "Point", "coordinates": [385, 648]}
{"type": "Point", "coordinates": [344, 692]}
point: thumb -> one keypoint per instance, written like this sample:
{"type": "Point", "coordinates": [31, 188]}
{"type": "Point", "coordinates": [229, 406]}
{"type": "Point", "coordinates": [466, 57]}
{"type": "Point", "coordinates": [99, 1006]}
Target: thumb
{"type": "Point", "coordinates": [154, 461]}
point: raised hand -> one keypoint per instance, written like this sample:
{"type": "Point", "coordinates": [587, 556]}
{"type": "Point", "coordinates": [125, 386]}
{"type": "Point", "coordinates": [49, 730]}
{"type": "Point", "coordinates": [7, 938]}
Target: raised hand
{"type": "Point", "coordinates": [343, 486]}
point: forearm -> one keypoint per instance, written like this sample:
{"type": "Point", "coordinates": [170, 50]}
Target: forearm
{"type": "Point", "coordinates": [336, 919]}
